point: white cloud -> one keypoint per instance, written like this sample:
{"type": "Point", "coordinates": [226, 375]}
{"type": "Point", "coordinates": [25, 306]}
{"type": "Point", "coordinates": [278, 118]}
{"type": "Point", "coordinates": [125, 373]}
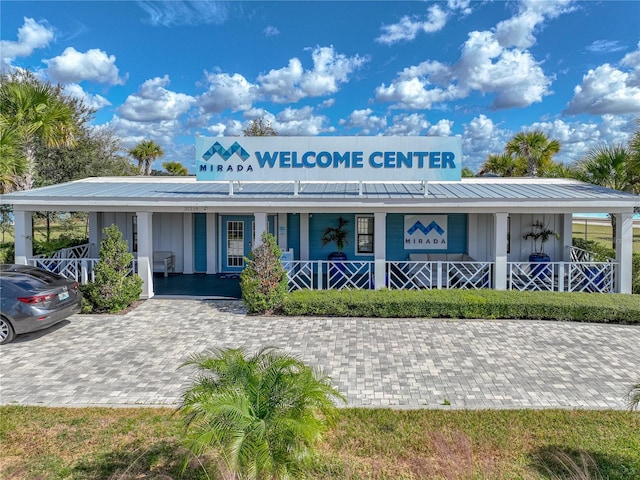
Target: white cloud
{"type": "Point", "coordinates": [153, 102]}
{"type": "Point", "coordinates": [94, 65]}
{"type": "Point", "coordinates": [302, 121]}
{"type": "Point", "coordinates": [409, 27]}
{"type": "Point", "coordinates": [481, 137]}
{"type": "Point", "coordinates": [413, 124]}
{"type": "Point", "coordinates": [271, 31]}
{"type": "Point", "coordinates": [576, 138]}
{"type": "Point", "coordinates": [131, 132]}
{"type": "Point", "coordinates": [518, 30]}
{"type": "Point", "coordinates": [181, 13]}
{"type": "Point", "coordinates": [31, 35]}
{"type": "Point", "coordinates": [281, 85]}
{"type": "Point", "coordinates": [225, 91]}
{"type": "Point", "coordinates": [292, 83]}
{"type": "Point", "coordinates": [605, 46]}
{"type": "Point", "coordinates": [608, 89]}
{"type": "Point", "coordinates": [365, 122]}
{"type": "Point", "coordinates": [441, 129]}
{"type": "Point", "coordinates": [95, 102]}
{"type": "Point", "coordinates": [514, 76]}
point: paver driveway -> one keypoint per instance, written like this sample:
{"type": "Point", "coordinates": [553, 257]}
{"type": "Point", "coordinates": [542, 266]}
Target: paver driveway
{"type": "Point", "coordinates": [133, 359]}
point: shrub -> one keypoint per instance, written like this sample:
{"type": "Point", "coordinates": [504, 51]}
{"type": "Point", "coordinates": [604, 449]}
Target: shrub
{"type": "Point", "coordinates": [114, 288]}
{"type": "Point", "coordinates": [7, 253]}
{"type": "Point", "coordinates": [264, 281]}
{"type": "Point", "coordinates": [262, 413]}
{"type": "Point", "coordinates": [584, 307]}
{"type": "Point", "coordinates": [635, 269]}
{"type": "Point", "coordinates": [603, 253]}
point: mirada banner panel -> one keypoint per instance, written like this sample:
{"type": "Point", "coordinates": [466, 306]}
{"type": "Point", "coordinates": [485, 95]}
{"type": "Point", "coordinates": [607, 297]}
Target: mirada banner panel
{"type": "Point", "coordinates": [329, 158]}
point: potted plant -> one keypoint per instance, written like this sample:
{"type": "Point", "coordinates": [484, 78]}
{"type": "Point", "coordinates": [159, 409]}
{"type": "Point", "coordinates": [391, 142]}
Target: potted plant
{"type": "Point", "coordinates": [539, 234]}
{"type": "Point", "coordinates": [338, 235]}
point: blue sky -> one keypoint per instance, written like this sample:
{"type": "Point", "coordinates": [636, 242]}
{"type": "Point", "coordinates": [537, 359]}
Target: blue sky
{"type": "Point", "coordinates": [169, 71]}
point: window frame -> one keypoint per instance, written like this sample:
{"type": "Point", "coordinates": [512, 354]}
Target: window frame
{"type": "Point", "coordinates": [371, 223]}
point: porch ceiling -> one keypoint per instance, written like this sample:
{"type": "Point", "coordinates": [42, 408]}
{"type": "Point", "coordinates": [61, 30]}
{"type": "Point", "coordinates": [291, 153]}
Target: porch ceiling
{"type": "Point", "coordinates": [180, 192]}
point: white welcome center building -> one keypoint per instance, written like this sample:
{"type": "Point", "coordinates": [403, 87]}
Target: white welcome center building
{"type": "Point", "coordinates": [413, 222]}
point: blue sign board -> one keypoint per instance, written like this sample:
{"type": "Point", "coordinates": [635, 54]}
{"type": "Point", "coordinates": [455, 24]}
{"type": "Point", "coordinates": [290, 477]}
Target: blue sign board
{"type": "Point", "coordinates": [329, 158]}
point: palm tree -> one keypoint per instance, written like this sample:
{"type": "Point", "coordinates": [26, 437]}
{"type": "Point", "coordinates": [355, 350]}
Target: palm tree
{"type": "Point", "coordinates": [634, 397]}
{"type": "Point", "coordinates": [175, 169]}
{"type": "Point", "coordinates": [262, 413]}
{"type": "Point", "coordinates": [609, 166]}
{"type": "Point", "coordinates": [12, 162]}
{"type": "Point", "coordinates": [501, 164]}
{"type": "Point", "coordinates": [535, 149]}
{"type": "Point", "coordinates": [146, 152]}
{"type": "Point", "coordinates": [33, 112]}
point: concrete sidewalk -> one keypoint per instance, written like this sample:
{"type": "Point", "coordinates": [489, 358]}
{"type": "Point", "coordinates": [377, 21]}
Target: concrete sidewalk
{"type": "Point", "coordinates": [133, 359]}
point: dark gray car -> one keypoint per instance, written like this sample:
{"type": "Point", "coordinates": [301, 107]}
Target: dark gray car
{"type": "Point", "coordinates": [32, 299]}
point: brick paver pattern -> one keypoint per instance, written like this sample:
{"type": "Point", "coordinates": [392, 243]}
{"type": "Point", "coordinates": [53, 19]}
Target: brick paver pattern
{"type": "Point", "coordinates": [134, 359]}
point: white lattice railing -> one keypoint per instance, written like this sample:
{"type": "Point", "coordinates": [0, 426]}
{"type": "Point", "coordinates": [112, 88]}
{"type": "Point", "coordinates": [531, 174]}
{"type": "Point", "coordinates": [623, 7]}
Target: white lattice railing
{"type": "Point", "coordinates": [302, 275]}
{"type": "Point", "coordinates": [470, 275]}
{"type": "Point", "coordinates": [562, 276]}
{"type": "Point", "coordinates": [591, 277]}
{"type": "Point", "coordinates": [78, 269]}
{"type": "Point", "coordinates": [355, 275]}
{"type": "Point", "coordinates": [412, 275]}
{"type": "Point", "coordinates": [319, 275]}
{"type": "Point", "coordinates": [534, 276]}
{"type": "Point", "coordinates": [79, 251]}
{"type": "Point", "coordinates": [580, 255]}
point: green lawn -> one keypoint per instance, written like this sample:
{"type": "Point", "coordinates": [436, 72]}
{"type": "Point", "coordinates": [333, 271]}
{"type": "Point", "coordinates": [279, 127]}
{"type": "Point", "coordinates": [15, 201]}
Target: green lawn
{"type": "Point", "coordinates": [601, 233]}
{"type": "Point", "coordinates": [127, 444]}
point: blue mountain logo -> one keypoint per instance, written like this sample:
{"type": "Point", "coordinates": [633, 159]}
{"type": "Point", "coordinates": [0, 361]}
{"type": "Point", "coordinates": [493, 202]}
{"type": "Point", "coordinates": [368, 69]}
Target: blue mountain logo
{"type": "Point", "coordinates": [224, 153]}
{"type": "Point", "coordinates": [425, 230]}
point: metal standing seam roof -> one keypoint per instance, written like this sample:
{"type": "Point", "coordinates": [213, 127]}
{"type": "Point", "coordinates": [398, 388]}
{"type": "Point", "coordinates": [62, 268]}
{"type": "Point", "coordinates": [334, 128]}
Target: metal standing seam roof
{"type": "Point", "coordinates": [185, 189]}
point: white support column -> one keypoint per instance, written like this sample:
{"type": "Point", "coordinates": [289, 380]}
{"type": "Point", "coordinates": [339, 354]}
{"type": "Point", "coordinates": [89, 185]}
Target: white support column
{"type": "Point", "coordinates": [95, 227]}
{"type": "Point", "coordinates": [145, 252]}
{"type": "Point", "coordinates": [262, 226]}
{"type": "Point", "coordinates": [380, 248]}
{"type": "Point", "coordinates": [567, 236]}
{"type": "Point", "coordinates": [283, 241]}
{"type": "Point", "coordinates": [500, 251]}
{"type": "Point", "coordinates": [212, 244]}
{"type": "Point", "coordinates": [187, 243]}
{"type": "Point", "coordinates": [23, 235]}
{"type": "Point", "coordinates": [624, 242]}
{"type": "Point", "coordinates": [304, 236]}
{"type": "Point", "coordinates": [472, 235]}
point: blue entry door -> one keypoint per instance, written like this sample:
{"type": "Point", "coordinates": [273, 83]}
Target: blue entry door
{"type": "Point", "coordinates": [237, 241]}
{"type": "Point", "coordinates": [199, 242]}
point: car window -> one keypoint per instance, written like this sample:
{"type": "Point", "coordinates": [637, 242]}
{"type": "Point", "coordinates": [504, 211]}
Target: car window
{"type": "Point", "coordinates": [22, 280]}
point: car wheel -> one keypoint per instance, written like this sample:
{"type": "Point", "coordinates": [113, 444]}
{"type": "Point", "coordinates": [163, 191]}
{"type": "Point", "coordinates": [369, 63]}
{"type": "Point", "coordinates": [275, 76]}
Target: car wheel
{"type": "Point", "coordinates": [6, 331]}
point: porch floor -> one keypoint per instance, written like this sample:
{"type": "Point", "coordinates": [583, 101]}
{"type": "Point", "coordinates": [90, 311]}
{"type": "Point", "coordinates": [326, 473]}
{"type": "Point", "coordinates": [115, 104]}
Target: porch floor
{"type": "Point", "coordinates": [197, 285]}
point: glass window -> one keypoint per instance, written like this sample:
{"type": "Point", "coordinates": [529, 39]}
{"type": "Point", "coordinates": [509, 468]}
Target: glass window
{"type": "Point", "coordinates": [364, 234]}
{"type": "Point", "coordinates": [235, 244]}
{"type": "Point", "coordinates": [134, 233]}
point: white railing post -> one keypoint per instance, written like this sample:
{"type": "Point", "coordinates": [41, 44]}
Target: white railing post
{"type": "Point", "coordinates": [561, 276]}
{"type": "Point", "coordinates": [85, 273]}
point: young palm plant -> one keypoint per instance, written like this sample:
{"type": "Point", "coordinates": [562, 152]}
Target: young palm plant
{"type": "Point", "coordinates": [262, 413]}
{"type": "Point", "coordinates": [634, 397]}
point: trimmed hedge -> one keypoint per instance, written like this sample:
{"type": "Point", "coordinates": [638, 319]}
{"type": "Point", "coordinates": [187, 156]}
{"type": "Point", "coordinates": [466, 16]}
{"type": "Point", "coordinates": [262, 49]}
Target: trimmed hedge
{"type": "Point", "coordinates": [582, 307]}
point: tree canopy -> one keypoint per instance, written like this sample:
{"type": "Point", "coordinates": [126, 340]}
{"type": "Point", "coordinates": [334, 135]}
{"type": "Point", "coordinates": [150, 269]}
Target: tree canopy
{"type": "Point", "coordinates": [33, 114]}
{"type": "Point", "coordinates": [45, 136]}
{"type": "Point", "coordinates": [145, 153]}
{"type": "Point", "coordinates": [260, 128]}
{"type": "Point", "coordinates": [526, 154]}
